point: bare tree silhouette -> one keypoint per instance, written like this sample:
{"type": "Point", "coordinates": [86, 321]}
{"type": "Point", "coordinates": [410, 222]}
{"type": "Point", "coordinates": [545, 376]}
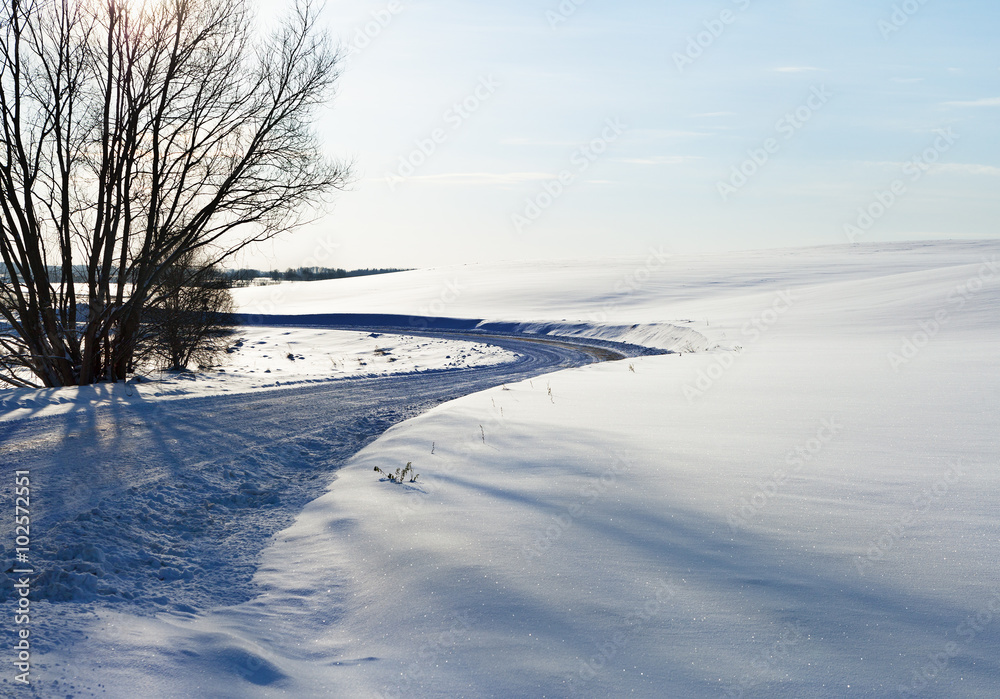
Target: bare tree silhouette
{"type": "Point", "coordinates": [189, 318]}
{"type": "Point", "coordinates": [132, 134]}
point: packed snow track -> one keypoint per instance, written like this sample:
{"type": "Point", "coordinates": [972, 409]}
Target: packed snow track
{"type": "Point", "coordinates": [165, 506]}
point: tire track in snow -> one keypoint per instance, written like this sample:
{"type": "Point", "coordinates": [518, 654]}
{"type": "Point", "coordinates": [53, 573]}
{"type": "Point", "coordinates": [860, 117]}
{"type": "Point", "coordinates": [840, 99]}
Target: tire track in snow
{"type": "Point", "coordinates": [166, 506]}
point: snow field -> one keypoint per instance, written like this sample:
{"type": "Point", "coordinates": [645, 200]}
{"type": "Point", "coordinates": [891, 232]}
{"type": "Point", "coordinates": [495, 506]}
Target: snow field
{"type": "Point", "coordinates": [815, 520]}
{"type": "Point", "coordinates": [821, 507]}
{"type": "Point", "coordinates": [804, 508]}
{"type": "Point", "coordinates": [601, 544]}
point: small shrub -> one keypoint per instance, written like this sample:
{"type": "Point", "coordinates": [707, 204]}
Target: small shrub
{"type": "Point", "coordinates": [401, 473]}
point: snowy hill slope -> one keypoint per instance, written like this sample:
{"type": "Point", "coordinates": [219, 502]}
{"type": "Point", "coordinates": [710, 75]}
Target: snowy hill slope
{"type": "Point", "coordinates": [812, 516]}
{"type": "Point", "coordinates": [807, 510]}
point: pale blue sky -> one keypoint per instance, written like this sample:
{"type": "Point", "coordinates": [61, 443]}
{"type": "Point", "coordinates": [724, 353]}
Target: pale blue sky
{"type": "Point", "coordinates": [877, 92]}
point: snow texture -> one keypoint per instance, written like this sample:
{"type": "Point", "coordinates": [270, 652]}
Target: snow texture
{"type": "Point", "coordinates": [802, 506]}
{"type": "Point", "coordinates": [261, 358]}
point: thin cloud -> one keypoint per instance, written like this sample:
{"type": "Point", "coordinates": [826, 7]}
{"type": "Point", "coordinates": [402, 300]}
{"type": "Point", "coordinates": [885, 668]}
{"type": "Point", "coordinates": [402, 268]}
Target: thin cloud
{"type": "Point", "coordinates": [986, 102]}
{"type": "Point", "coordinates": [797, 69]}
{"type": "Point", "coordinates": [523, 141]}
{"type": "Point", "coordinates": [969, 169]}
{"type": "Point", "coordinates": [666, 134]}
{"type": "Point", "coordinates": [661, 160]}
{"type": "Point", "coordinates": [959, 168]}
{"type": "Point", "coordinates": [483, 178]}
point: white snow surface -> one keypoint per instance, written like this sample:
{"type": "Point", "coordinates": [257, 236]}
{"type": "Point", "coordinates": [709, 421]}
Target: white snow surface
{"type": "Point", "coordinates": [804, 508]}
{"type": "Point", "coordinates": [262, 358]}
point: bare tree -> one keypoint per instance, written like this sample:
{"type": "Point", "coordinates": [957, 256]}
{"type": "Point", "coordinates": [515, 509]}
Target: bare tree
{"type": "Point", "coordinates": [130, 135]}
{"type": "Point", "coordinates": [189, 318]}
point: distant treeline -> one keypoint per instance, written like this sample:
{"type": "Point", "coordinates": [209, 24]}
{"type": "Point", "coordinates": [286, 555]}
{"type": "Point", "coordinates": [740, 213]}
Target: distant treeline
{"type": "Point", "coordinates": [302, 274]}
{"type": "Point", "coordinates": [244, 277]}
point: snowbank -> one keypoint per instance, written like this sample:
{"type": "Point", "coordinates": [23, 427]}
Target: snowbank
{"type": "Point", "coordinates": [809, 516]}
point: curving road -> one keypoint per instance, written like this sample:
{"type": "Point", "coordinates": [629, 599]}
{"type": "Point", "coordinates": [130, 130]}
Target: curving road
{"type": "Point", "coordinates": [166, 505]}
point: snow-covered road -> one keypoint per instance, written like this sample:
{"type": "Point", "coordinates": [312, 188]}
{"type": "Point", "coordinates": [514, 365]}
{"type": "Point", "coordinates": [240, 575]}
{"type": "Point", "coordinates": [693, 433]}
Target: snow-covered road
{"type": "Point", "coordinates": [166, 505]}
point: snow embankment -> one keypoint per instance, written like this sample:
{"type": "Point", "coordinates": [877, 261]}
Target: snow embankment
{"type": "Point", "coordinates": [665, 336]}
{"type": "Point", "coordinates": [810, 516]}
